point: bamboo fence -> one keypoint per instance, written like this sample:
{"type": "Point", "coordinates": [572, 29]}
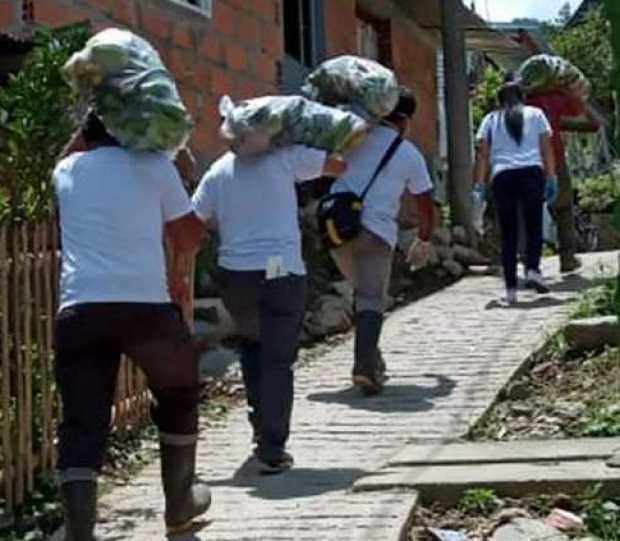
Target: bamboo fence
{"type": "Point", "coordinates": [29, 404]}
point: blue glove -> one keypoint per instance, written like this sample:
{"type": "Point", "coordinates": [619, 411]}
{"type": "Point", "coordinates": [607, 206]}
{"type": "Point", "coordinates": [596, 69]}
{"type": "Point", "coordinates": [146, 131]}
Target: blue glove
{"type": "Point", "coordinates": [551, 190]}
{"type": "Point", "coordinates": [479, 191]}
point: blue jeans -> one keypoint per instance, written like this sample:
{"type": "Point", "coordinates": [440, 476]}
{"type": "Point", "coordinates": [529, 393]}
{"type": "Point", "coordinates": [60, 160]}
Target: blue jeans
{"type": "Point", "coordinates": [269, 316]}
{"type": "Point", "coordinates": [513, 189]}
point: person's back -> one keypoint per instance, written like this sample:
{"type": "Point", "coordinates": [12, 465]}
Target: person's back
{"type": "Point", "coordinates": [406, 169]}
{"type": "Point", "coordinates": [113, 203]}
{"type": "Point", "coordinates": [253, 204]}
{"type": "Point", "coordinates": [506, 152]}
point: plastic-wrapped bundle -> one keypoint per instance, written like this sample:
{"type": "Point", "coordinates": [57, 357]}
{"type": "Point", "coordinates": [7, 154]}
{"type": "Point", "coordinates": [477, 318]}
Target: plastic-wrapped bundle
{"type": "Point", "coordinates": [133, 93]}
{"type": "Point", "coordinates": [546, 73]}
{"type": "Point", "coordinates": [370, 89]}
{"type": "Point", "coordinates": [254, 126]}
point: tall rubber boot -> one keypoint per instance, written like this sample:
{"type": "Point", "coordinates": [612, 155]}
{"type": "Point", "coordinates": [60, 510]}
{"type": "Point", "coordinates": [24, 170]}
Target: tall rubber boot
{"type": "Point", "coordinates": [79, 502]}
{"type": "Point", "coordinates": [185, 500]}
{"type": "Point", "coordinates": [366, 368]}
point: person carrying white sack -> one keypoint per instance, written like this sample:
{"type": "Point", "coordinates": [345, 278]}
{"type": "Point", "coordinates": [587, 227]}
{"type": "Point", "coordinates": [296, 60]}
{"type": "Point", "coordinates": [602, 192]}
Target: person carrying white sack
{"type": "Point", "coordinates": [366, 260]}
{"type": "Point", "coordinates": [252, 203]}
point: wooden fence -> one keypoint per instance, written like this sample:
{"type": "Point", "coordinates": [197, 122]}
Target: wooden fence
{"type": "Point", "coordinates": [29, 404]}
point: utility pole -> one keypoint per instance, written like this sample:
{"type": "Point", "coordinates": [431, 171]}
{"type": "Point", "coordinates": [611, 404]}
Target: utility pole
{"type": "Point", "coordinates": [460, 173]}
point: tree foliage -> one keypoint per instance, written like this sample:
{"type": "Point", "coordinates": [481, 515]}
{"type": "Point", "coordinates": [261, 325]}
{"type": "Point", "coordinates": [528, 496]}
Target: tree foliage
{"type": "Point", "coordinates": [588, 46]}
{"type": "Point", "coordinates": [485, 99]}
{"type": "Point", "coordinates": [37, 116]}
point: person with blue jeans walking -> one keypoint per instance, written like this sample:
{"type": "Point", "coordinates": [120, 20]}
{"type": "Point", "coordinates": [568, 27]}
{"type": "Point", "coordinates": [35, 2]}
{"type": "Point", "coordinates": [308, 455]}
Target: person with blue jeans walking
{"type": "Point", "coordinates": [514, 144]}
{"type": "Point", "coordinates": [252, 203]}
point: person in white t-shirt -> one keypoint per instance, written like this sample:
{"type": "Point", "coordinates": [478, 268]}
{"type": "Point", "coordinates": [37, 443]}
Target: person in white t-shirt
{"type": "Point", "coordinates": [252, 203]}
{"type": "Point", "coordinates": [115, 205]}
{"type": "Point", "coordinates": [366, 261]}
{"type": "Point", "coordinates": [514, 143]}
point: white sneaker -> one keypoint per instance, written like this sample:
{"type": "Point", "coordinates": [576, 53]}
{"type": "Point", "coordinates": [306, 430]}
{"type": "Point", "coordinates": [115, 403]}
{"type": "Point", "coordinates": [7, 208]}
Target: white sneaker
{"type": "Point", "coordinates": [510, 297]}
{"type": "Point", "coordinates": [534, 280]}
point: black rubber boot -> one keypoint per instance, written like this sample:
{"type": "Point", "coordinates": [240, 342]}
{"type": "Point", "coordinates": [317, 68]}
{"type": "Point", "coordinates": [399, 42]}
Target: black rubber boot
{"type": "Point", "coordinates": [79, 502]}
{"type": "Point", "coordinates": [366, 369]}
{"type": "Point", "coordinates": [185, 500]}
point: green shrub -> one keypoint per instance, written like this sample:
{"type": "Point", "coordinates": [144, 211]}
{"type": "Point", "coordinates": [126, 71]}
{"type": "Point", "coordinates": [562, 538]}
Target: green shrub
{"type": "Point", "coordinates": [37, 117]}
{"type": "Point", "coordinates": [598, 194]}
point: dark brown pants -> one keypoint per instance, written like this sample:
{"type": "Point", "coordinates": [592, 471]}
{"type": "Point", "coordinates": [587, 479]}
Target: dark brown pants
{"type": "Point", "coordinates": [90, 339]}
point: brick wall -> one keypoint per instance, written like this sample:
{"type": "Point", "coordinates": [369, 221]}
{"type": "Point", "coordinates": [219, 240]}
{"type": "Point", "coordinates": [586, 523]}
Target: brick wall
{"type": "Point", "coordinates": [413, 58]}
{"type": "Point", "coordinates": [10, 14]}
{"type": "Point", "coordinates": [235, 52]}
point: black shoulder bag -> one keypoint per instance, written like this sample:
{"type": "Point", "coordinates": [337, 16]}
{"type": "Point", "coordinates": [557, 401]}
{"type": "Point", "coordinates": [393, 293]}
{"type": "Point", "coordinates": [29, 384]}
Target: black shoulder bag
{"type": "Point", "coordinates": [340, 214]}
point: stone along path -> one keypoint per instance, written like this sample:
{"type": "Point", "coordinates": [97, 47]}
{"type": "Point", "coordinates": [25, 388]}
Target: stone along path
{"type": "Point", "coordinates": [448, 357]}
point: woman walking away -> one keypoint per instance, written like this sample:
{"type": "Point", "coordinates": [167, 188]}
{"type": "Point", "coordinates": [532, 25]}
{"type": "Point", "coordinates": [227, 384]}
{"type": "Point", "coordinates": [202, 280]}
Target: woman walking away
{"type": "Point", "coordinates": [252, 203]}
{"type": "Point", "coordinates": [115, 204]}
{"type": "Point", "coordinates": [514, 143]}
{"type": "Point", "coordinates": [366, 260]}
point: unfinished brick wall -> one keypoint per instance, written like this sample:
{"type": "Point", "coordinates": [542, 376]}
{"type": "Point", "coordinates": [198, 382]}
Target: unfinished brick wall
{"type": "Point", "coordinates": [413, 58]}
{"type": "Point", "coordinates": [235, 52]}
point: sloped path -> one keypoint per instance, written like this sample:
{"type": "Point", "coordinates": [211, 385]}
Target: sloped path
{"type": "Point", "coordinates": [448, 357]}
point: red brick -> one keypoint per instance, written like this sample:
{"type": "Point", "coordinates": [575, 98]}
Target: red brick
{"type": "Point", "coordinates": [101, 5]}
{"type": "Point", "coordinates": [202, 78]}
{"type": "Point", "coordinates": [182, 64]}
{"type": "Point", "coordinates": [191, 100]}
{"type": "Point", "coordinates": [249, 30]}
{"type": "Point", "coordinates": [246, 89]}
{"type": "Point", "coordinates": [272, 42]}
{"type": "Point", "coordinates": [183, 36]}
{"type": "Point", "coordinates": [8, 14]}
{"type": "Point", "coordinates": [212, 48]}
{"type": "Point", "coordinates": [59, 15]}
{"type": "Point", "coordinates": [265, 68]}
{"type": "Point", "coordinates": [225, 19]}
{"type": "Point", "coordinates": [236, 57]}
{"type": "Point", "coordinates": [267, 9]}
{"type": "Point", "coordinates": [155, 22]}
{"type": "Point", "coordinates": [124, 11]}
{"type": "Point", "coordinates": [221, 82]}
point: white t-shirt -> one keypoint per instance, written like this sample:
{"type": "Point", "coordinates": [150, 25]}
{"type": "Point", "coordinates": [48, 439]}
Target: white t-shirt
{"type": "Point", "coordinates": [113, 206]}
{"type": "Point", "coordinates": [506, 153]}
{"type": "Point", "coordinates": [253, 204]}
{"type": "Point", "coordinates": [406, 171]}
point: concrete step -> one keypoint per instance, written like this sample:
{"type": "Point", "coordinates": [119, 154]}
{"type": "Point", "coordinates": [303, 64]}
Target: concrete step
{"type": "Point", "coordinates": [506, 452]}
{"type": "Point", "coordinates": [447, 483]}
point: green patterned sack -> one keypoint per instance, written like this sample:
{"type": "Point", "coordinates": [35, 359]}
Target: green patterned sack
{"type": "Point", "coordinates": [546, 73]}
{"type": "Point", "coordinates": [368, 88]}
{"type": "Point", "coordinates": [254, 126]}
{"type": "Point", "coordinates": [131, 90]}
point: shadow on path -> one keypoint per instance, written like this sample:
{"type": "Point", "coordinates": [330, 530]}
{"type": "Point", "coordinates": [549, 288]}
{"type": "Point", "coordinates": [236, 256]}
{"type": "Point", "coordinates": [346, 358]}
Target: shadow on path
{"type": "Point", "coordinates": [540, 302]}
{"type": "Point", "coordinates": [394, 398]}
{"type": "Point", "coordinates": [296, 483]}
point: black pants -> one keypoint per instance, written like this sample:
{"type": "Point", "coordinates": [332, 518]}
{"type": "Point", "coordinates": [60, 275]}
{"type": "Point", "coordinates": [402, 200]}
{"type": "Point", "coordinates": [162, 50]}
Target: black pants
{"type": "Point", "coordinates": [90, 339]}
{"type": "Point", "coordinates": [269, 316]}
{"type": "Point", "coordinates": [513, 189]}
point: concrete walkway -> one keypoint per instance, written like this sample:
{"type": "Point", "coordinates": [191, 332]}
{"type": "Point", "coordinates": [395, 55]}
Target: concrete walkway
{"type": "Point", "coordinates": [448, 356]}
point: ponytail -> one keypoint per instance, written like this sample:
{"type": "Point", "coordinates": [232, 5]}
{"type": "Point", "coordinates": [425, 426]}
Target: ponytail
{"type": "Point", "coordinates": [510, 99]}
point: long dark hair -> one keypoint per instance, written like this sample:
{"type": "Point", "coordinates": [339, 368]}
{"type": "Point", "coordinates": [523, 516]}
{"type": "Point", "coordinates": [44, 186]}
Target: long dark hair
{"type": "Point", "coordinates": [510, 98]}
